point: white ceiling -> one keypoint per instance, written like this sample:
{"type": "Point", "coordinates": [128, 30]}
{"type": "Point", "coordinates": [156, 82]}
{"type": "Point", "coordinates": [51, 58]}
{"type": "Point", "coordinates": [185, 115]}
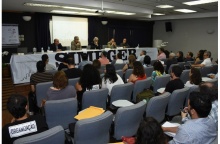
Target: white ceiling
{"type": "Point", "coordinates": [142, 8]}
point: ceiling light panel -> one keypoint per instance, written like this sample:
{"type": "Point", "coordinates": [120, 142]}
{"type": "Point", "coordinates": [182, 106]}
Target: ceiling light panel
{"type": "Point", "coordinates": [165, 6]}
{"type": "Point", "coordinates": [185, 10]}
{"type": "Point", "coordinates": [77, 8]}
{"type": "Point", "coordinates": [64, 12]}
{"type": "Point", "coordinates": [41, 5]}
{"type": "Point", "coordinates": [158, 14]}
{"type": "Point", "coordinates": [198, 2]}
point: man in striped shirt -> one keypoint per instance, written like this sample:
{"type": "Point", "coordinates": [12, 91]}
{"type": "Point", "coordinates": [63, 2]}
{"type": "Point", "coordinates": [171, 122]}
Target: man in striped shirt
{"type": "Point", "coordinates": [38, 77]}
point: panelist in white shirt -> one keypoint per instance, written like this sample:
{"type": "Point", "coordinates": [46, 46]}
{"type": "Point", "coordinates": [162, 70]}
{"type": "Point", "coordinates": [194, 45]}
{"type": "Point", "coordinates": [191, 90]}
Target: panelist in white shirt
{"type": "Point", "coordinates": [207, 61]}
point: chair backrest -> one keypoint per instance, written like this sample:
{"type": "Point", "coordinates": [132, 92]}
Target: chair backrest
{"type": "Point", "coordinates": [139, 86]}
{"type": "Point", "coordinates": [157, 105]}
{"type": "Point", "coordinates": [206, 70]}
{"type": "Point", "coordinates": [127, 120]}
{"type": "Point", "coordinates": [128, 73]}
{"type": "Point", "coordinates": [96, 98]}
{"type": "Point", "coordinates": [93, 130]}
{"type": "Point", "coordinates": [60, 112]}
{"type": "Point", "coordinates": [185, 76]}
{"type": "Point", "coordinates": [120, 73]}
{"type": "Point", "coordinates": [191, 89]}
{"type": "Point", "coordinates": [73, 81]}
{"type": "Point", "coordinates": [41, 91]}
{"type": "Point", "coordinates": [214, 81]}
{"type": "Point", "coordinates": [181, 64]}
{"type": "Point", "coordinates": [176, 101]}
{"type": "Point", "coordinates": [161, 82]}
{"type": "Point", "coordinates": [119, 66]}
{"type": "Point", "coordinates": [216, 140]}
{"type": "Point", "coordinates": [55, 135]}
{"type": "Point", "coordinates": [215, 68]}
{"type": "Point", "coordinates": [148, 71]}
{"type": "Point", "coordinates": [121, 92]}
{"type": "Point", "coordinates": [172, 65]}
{"type": "Point", "coordinates": [190, 62]}
{"type": "Point", "coordinates": [104, 46]}
{"type": "Point", "coordinates": [152, 62]}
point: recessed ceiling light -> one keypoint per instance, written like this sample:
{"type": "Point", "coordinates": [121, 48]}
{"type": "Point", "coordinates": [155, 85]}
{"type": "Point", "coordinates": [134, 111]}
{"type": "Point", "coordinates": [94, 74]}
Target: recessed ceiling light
{"type": "Point", "coordinates": [158, 14]}
{"type": "Point", "coordinates": [198, 2]}
{"type": "Point", "coordinates": [64, 12]}
{"type": "Point", "coordinates": [165, 6]}
{"type": "Point", "coordinates": [120, 13]}
{"type": "Point", "coordinates": [41, 5]}
{"type": "Point", "coordinates": [185, 10]}
{"type": "Point", "coordinates": [86, 13]}
{"type": "Point", "coordinates": [77, 8]}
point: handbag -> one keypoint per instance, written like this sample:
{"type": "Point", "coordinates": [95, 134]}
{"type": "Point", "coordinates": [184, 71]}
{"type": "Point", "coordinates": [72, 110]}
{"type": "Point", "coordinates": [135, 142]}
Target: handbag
{"type": "Point", "coordinates": [146, 94]}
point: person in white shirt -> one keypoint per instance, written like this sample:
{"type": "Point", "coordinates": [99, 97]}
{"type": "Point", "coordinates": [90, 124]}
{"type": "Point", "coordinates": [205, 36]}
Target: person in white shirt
{"type": "Point", "coordinates": [195, 77]}
{"type": "Point", "coordinates": [142, 55]}
{"type": "Point", "coordinates": [119, 59]}
{"type": "Point", "coordinates": [207, 61]}
{"type": "Point", "coordinates": [48, 66]}
{"type": "Point", "coordinates": [111, 78]}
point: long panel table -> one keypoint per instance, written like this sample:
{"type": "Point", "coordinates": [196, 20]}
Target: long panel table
{"type": "Point", "coordinates": [23, 66]}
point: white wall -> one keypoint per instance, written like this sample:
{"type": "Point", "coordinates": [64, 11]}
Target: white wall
{"type": "Point", "coordinates": [189, 35]}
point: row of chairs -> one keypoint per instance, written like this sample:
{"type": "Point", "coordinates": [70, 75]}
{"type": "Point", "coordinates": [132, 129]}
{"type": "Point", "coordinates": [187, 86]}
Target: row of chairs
{"type": "Point", "coordinates": [126, 119]}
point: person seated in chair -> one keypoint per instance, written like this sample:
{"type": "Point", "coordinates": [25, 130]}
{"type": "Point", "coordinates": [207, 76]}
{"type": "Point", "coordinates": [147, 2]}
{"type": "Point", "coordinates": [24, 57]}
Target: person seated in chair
{"type": "Point", "coordinates": [45, 59]}
{"type": "Point", "coordinates": [207, 60]}
{"type": "Point", "coordinates": [124, 43]}
{"type": "Point", "coordinates": [56, 46]}
{"type": "Point", "coordinates": [72, 72]}
{"type": "Point", "coordinates": [95, 44]}
{"type": "Point", "coordinates": [22, 124]}
{"type": "Point", "coordinates": [84, 61]}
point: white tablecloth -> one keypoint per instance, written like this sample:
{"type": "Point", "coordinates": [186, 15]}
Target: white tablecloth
{"type": "Point", "coordinates": [23, 66]}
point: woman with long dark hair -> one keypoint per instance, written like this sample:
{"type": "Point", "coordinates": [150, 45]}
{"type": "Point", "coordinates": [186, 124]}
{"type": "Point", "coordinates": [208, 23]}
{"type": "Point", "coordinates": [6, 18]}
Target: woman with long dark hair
{"type": "Point", "coordinates": [158, 70]}
{"type": "Point", "coordinates": [180, 57]}
{"type": "Point", "coordinates": [199, 56]}
{"type": "Point", "coordinates": [111, 78]}
{"type": "Point", "coordinates": [138, 72]}
{"type": "Point", "coordinates": [89, 80]}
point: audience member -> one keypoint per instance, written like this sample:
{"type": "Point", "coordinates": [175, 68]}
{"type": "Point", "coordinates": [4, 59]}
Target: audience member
{"type": "Point", "coordinates": [38, 77]}
{"type": "Point", "coordinates": [131, 60]}
{"type": "Point", "coordinates": [63, 65]}
{"type": "Point", "coordinates": [158, 71]}
{"type": "Point", "coordinates": [124, 43]}
{"type": "Point", "coordinates": [195, 77]}
{"type": "Point", "coordinates": [200, 129]}
{"type": "Point", "coordinates": [111, 43]}
{"type": "Point", "coordinates": [21, 125]}
{"type": "Point", "coordinates": [175, 82]}
{"type": "Point", "coordinates": [119, 59]}
{"type": "Point", "coordinates": [111, 78]}
{"type": "Point", "coordinates": [56, 45]}
{"type": "Point", "coordinates": [72, 72]}
{"type": "Point", "coordinates": [180, 57]}
{"type": "Point", "coordinates": [171, 60]}
{"type": "Point", "coordinates": [60, 89]}
{"type": "Point", "coordinates": [189, 57]}
{"type": "Point", "coordinates": [95, 44]}
{"type": "Point", "coordinates": [206, 62]}
{"type": "Point", "coordinates": [150, 132]}
{"type": "Point", "coordinates": [147, 61]}
{"type": "Point", "coordinates": [167, 53]}
{"type": "Point", "coordinates": [89, 80]}
{"type": "Point", "coordinates": [103, 59]}
{"type": "Point", "coordinates": [138, 72]}
{"type": "Point", "coordinates": [97, 64]}
{"type": "Point", "coordinates": [84, 61]}
{"type": "Point", "coordinates": [142, 55]}
{"type": "Point", "coordinates": [45, 59]}
{"type": "Point", "coordinates": [76, 44]}
{"type": "Point", "coordinates": [199, 56]}
{"type": "Point", "coordinates": [210, 90]}
{"type": "Point", "coordinates": [161, 54]}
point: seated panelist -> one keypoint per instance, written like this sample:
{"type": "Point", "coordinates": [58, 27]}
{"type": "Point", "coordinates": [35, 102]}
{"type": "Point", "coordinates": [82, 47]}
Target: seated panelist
{"type": "Point", "coordinates": [56, 46]}
{"type": "Point", "coordinates": [76, 44]}
{"type": "Point", "coordinates": [124, 43]}
{"type": "Point", "coordinates": [112, 43]}
{"type": "Point", "coordinates": [95, 44]}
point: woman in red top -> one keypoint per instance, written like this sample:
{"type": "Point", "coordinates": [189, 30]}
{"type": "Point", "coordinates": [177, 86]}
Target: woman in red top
{"type": "Point", "coordinates": [138, 72]}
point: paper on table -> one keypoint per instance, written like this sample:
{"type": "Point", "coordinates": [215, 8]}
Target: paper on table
{"type": "Point", "coordinates": [206, 79]}
{"type": "Point", "coordinates": [161, 90]}
{"type": "Point", "coordinates": [89, 113]}
{"type": "Point", "coordinates": [168, 124]}
{"type": "Point", "coordinates": [122, 103]}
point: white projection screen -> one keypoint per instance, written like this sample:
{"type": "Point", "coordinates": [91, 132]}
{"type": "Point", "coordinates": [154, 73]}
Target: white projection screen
{"type": "Point", "coordinates": [65, 28]}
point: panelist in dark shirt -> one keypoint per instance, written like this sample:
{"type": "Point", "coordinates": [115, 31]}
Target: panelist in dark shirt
{"type": "Point", "coordinates": [95, 44]}
{"type": "Point", "coordinates": [56, 46]}
{"type": "Point", "coordinates": [124, 44]}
